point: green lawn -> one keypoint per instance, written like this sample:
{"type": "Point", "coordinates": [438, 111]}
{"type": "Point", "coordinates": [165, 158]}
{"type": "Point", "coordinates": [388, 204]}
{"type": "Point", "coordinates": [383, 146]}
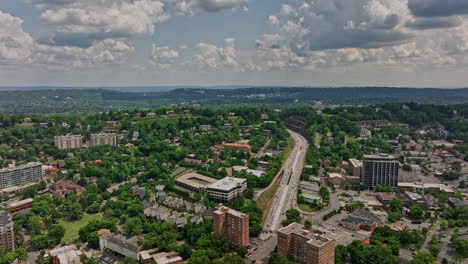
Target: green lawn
{"type": "Point", "coordinates": [306, 208]}
{"type": "Point", "coordinates": [72, 228]}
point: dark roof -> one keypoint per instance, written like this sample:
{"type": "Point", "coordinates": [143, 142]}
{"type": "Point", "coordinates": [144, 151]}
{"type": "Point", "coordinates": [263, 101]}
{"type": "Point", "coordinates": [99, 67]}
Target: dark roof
{"type": "Point", "coordinates": [121, 242]}
{"type": "Point", "coordinates": [362, 217]}
{"type": "Point", "coordinates": [5, 218]}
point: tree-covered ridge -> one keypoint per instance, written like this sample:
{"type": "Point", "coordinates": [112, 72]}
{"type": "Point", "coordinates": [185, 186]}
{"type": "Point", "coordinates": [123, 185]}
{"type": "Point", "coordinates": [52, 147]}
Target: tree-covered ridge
{"type": "Point", "coordinates": [58, 100]}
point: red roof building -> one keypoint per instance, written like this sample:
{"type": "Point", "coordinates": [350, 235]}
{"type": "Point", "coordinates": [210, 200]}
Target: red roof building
{"type": "Point", "coordinates": [63, 188]}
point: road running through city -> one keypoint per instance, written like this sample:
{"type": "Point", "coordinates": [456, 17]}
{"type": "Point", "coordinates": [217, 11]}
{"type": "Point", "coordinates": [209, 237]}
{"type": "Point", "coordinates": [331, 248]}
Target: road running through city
{"type": "Point", "coordinates": [286, 194]}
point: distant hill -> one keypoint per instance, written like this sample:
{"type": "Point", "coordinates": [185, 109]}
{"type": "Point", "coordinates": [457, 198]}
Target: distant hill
{"type": "Point", "coordinates": [83, 100]}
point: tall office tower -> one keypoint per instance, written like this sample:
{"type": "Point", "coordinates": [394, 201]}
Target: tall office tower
{"type": "Point", "coordinates": [233, 224]}
{"type": "Point", "coordinates": [380, 169]}
{"type": "Point", "coordinates": [7, 235]}
{"type": "Point", "coordinates": [103, 139]}
{"type": "Point", "coordinates": [68, 141]}
{"type": "Point", "coordinates": [15, 176]}
{"type": "Point", "coordinates": [304, 246]}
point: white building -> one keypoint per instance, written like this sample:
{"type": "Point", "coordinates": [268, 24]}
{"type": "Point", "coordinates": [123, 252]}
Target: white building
{"type": "Point", "coordinates": [224, 190]}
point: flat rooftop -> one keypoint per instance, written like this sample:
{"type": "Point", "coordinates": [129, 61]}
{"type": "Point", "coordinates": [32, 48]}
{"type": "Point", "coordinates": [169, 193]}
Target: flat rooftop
{"type": "Point", "coordinates": [28, 165]}
{"type": "Point", "coordinates": [227, 184]}
{"type": "Point", "coordinates": [224, 209]}
{"type": "Point", "coordinates": [13, 204]}
{"type": "Point", "coordinates": [5, 218]}
{"type": "Point", "coordinates": [196, 180]}
{"type": "Point", "coordinates": [315, 238]}
{"type": "Point", "coordinates": [381, 156]}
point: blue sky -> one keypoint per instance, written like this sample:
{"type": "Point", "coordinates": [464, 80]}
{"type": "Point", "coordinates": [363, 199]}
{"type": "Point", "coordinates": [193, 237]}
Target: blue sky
{"type": "Point", "coordinates": [417, 43]}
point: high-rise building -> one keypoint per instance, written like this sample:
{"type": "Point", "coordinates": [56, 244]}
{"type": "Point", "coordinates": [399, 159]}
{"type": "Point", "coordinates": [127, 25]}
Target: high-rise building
{"type": "Point", "coordinates": [19, 175]}
{"type": "Point", "coordinates": [7, 235]}
{"type": "Point", "coordinates": [232, 224]}
{"type": "Point", "coordinates": [68, 141]}
{"type": "Point", "coordinates": [103, 139]}
{"type": "Point", "coordinates": [381, 169]}
{"type": "Point", "coordinates": [304, 246]}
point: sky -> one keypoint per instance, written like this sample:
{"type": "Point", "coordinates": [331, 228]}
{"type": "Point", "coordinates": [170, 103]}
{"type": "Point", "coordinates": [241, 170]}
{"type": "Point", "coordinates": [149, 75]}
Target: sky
{"type": "Point", "coordinates": [406, 43]}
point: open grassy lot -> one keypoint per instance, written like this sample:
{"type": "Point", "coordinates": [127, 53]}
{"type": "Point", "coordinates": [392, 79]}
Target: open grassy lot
{"type": "Point", "coordinates": [306, 208]}
{"type": "Point", "coordinates": [72, 228]}
{"type": "Point", "coordinates": [266, 198]}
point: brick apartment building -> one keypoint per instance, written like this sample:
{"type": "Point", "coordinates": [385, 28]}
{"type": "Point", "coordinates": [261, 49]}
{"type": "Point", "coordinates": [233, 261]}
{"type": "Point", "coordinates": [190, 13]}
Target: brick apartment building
{"type": "Point", "coordinates": [63, 188]}
{"type": "Point", "coordinates": [7, 234]}
{"type": "Point", "coordinates": [232, 224]}
{"type": "Point", "coordinates": [304, 246]}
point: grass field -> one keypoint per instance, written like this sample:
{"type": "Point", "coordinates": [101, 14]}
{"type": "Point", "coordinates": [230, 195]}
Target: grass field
{"type": "Point", "coordinates": [306, 208]}
{"type": "Point", "coordinates": [72, 228]}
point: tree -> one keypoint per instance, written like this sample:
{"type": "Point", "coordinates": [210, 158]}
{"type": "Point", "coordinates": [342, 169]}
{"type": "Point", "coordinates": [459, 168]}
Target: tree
{"type": "Point", "coordinates": [394, 217]}
{"type": "Point", "coordinates": [93, 208]}
{"type": "Point", "coordinates": [444, 224]}
{"type": "Point", "coordinates": [56, 233]}
{"type": "Point", "coordinates": [416, 212]}
{"type": "Point", "coordinates": [423, 257]}
{"type": "Point", "coordinates": [21, 254]}
{"type": "Point", "coordinates": [133, 226]}
{"type": "Point", "coordinates": [241, 251]}
{"type": "Point", "coordinates": [231, 259]}
{"type": "Point", "coordinates": [307, 224]}
{"type": "Point", "coordinates": [93, 240]}
{"type": "Point", "coordinates": [325, 193]}
{"type": "Point", "coordinates": [396, 204]}
{"type": "Point", "coordinates": [74, 211]}
{"type": "Point", "coordinates": [129, 260]}
{"type": "Point", "coordinates": [35, 225]}
{"type": "Point", "coordinates": [276, 258]}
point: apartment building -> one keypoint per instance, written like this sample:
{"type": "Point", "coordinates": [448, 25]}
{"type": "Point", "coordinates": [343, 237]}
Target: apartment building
{"type": "Point", "coordinates": [103, 139]}
{"type": "Point", "coordinates": [7, 234]}
{"type": "Point", "coordinates": [355, 167]}
{"type": "Point", "coordinates": [68, 141]}
{"type": "Point", "coordinates": [226, 189]}
{"type": "Point", "coordinates": [19, 175]}
{"type": "Point", "coordinates": [304, 246]}
{"type": "Point", "coordinates": [380, 169]}
{"type": "Point", "coordinates": [232, 224]}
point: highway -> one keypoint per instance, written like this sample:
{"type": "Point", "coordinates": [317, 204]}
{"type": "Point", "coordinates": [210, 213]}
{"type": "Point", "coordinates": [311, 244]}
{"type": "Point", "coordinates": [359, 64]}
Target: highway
{"type": "Point", "coordinates": [285, 197]}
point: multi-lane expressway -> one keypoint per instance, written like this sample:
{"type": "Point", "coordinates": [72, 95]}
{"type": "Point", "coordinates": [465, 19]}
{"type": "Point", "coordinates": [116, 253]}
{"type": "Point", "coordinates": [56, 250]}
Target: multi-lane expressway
{"type": "Point", "coordinates": [286, 194]}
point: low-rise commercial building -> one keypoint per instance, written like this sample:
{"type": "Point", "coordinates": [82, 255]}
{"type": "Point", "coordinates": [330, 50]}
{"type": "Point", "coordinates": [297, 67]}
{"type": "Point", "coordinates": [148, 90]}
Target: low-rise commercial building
{"type": "Point", "coordinates": [335, 178]}
{"type": "Point", "coordinates": [226, 189]}
{"type": "Point", "coordinates": [194, 182]}
{"type": "Point", "coordinates": [232, 224]}
{"type": "Point", "coordinates": [63, 188]}
{"type": "Point", "coordinates": [66, 255]}
{"type": "Point", "coordinates": [120, 246]}
{"type": "Point", "coordinates": [422, 187]}
{"type": "Point", "coordinates": [385, 197]}
{"type": "Point", "coordinates": [311, 198]}
{"type": "Point", "coordinates": [21, 205]}
{"type": "Point", "coordinates": [304, 246]}
{"type": "Point", "coordinates": [361, 219]}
